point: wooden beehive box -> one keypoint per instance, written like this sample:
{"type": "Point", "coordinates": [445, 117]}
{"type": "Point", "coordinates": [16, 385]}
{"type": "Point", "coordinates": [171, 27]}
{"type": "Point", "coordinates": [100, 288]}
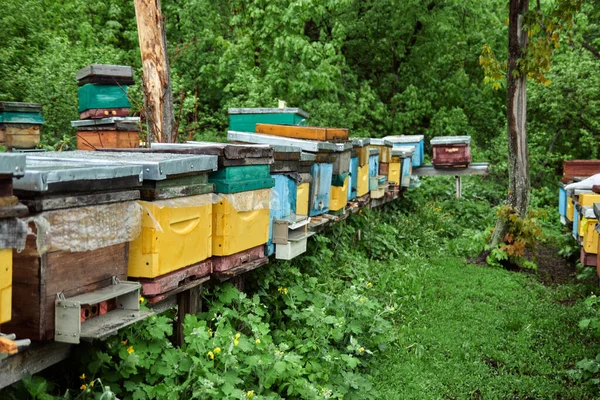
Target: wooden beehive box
{"type": "Point", "coordinates": [94, 96]}
{"type": "Point", "coordinates": [353, 190]}
{"type": "Point", "coordinates": [20, 125]}
{"type": "Point", "coordinates": [451, 151]}
{"type": "Point", "coordinates": [320, 189]}
{"type": "Point", "coordinates": [285, 205]}
{"type": "Point", "coordinates": [579, 169]}
{"type": "Point", "coordinates": [303, 132]}
{"type": "Point", "coordinates": [105, 74]}
{"type": "Point", "coordinates": [108, 133]}
{"type": "Point", "coordinates": [418, 141]}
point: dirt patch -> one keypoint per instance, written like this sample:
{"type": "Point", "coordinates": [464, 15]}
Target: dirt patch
{"type": "Point", "coordinates": [552, 270]}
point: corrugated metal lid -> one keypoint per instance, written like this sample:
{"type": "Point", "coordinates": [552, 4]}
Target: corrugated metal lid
{"type": "Point", "coordinates": [104, 121]}
{"type": "Point", "coordinates": [156, 166]}
{"type": "Point", "coordinates": [441, 140]}
{"type": "Point", "coordinates": [405, 138]}
{"type": "Point", "coordinates": [302, 113]}
{"type": "Point", "coordinates": [12, 164]}
{"type": "Point", "coordinates": [381, 142]}
{"type": "Point", "coordinates": [403, 151]}
{"type": "Point", "coordinates": [360, 142]}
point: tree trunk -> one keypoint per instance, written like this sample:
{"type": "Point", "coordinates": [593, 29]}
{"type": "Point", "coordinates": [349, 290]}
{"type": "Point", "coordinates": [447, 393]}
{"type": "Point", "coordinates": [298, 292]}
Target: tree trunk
{"type": "Point", "coordinates": [158, 94]}
{"type": "Point", "coordinates": [516, 114]}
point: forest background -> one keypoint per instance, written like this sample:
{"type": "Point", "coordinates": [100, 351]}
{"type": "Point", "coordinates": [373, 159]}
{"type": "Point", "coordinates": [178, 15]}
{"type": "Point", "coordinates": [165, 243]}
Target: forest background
{"type": "Point", "coordinates": [376, 67]}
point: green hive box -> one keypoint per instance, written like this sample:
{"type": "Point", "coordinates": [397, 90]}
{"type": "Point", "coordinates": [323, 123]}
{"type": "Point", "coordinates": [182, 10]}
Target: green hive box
{"type": "Point", "coordinates": [245, 119]}
{"type": "Point", "coordinates": [242, 179]}
{"type": "Point", "coordinates": [21, 118]}
{"type": "Point", "coordinates": [102, 96]}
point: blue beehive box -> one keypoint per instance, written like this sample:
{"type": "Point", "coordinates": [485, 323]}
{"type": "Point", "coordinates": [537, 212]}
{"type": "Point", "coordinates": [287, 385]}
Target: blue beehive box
{"type": "Point", "coordinates": [245, 119]}
{"type": "Point", "coordinates": [353, 191]}
{"type": "Point", "coordinates": [418, 141]}
{"type": "Point", "coordinates": [562, 200]}
{"type": "Point", "coordinates": [575, 222]}
{"type": "Point", "coordinates": [373, 169]}
{"type": "Point", "coordinates": [320, 189]}
{"type": "Point", "coordinates": [283, 206]}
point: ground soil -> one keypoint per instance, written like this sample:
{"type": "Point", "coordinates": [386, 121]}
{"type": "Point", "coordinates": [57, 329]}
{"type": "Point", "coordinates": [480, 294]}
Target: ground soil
{"type": "Point", "coordinates": [553, 269]}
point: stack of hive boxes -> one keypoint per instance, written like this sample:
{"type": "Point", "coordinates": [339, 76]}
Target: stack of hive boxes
{"type": "Point", "coordinates": [383, 169]}
{"type": "Point", "coordinates": [401, 165]}
{"type": "Point", "coordinates": [241, 209]}
{"type": "Point", "coordinates": [451, 151]}
{"type": "Point", "coordinates": [73, 267]}
{"type": "Point", "coordinates": [360, 180]}
{"type": "Point", "coordinates": [418, 141]}
{"type": "Point", "coordinates": [104, 107]}
{"type": "Point", "coordinates": [576, 206]}
{"type": "Point", "coordinates": [175, 244]}
{"type": "Point", "coordinates": [12, 232]}
{"type": "Point", "coordinates": [20, 125]}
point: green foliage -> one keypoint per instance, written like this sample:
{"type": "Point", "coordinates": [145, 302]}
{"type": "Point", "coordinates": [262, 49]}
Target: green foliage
{"type": "Point", "coordinates": [588, 369]}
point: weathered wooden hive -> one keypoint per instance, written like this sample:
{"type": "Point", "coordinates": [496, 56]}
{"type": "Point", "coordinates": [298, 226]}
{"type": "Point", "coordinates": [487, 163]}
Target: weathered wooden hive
{"type": "Point", "coordinates": [20, 125]}
{"type": "Point", "coordinates": [110, 132]}
{"type": "Point", "coordinates": [361, 146]}
{"type": "Point", "coordinates": [451, 151]}
{"type": "Point", "coordinates": [70, 279]}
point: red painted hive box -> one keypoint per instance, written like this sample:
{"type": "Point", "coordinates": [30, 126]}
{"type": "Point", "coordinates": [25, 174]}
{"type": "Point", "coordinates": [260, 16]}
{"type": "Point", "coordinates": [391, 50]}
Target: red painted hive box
{"type": "Point", "coordinates": [451, 151]}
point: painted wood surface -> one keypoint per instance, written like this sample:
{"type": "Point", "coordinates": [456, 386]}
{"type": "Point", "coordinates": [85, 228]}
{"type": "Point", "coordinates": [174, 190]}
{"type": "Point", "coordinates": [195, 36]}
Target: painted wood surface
{"type": "Point", "coordinates": [407, 165]}
{"type": "Point", "coordinates": [107, 139]}
{"type": "Point", "coordinates": [165, 283]}
{"type": "Point", "coordinates": [20, 136]}
{"type": "Point", "coordinates": [395, 171]}
{"type": "Point", "coordinates": [562, 201]}
{"type": "Point", "coordinates": [247, 122]}
{"type": "Point", "coordinates": [339, 195]}
{"type": "Point", "coordinates": [588, 260]}
{"type": "Point", "coordinates": [353, 190]}
{"type": "Point", "coordinates": [302, 196]}
{"type": "Point", "coordinates": [6, 268]}
{"type": "Point", "coordinates": [283, 206]}
{"type": "Point", "coordinates": [320, 188]}
{"type": "Point", "coordinates": [418, 157]}
{"type": "Point", "coordinates": [96, 113]}
{"type": "Point", "coordinates": [579, 169]}
{"type": "Point", "coordinates": [102, 96]}
{"type": "Point", "coordinates": [176, 233]}
{"type": "Point", "coordinates": [221, 264]}
{"type": "Point", "coordinates": [451, 155]}
{"type": "Point", "coordinates": [303, 132]}
{"type": "Point", "coordinates": [362, 187]}
{"type": "Point", "coordinates": [58, 202]}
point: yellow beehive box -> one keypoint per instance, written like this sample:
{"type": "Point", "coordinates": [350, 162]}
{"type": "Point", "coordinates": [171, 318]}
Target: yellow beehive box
{"type": "Point", "coordinates": [302, 195]}
{"type": "Point", "coordinates": [590, 236]}
{"type": "Point", "coordinates": [363, 155]}
{"type": "Point", "coordinates": [339, 196]}
{"type": "Point", "coordinates": [394, 171]}
{"type": "Point", "coordinates": [570, 209]}
{"type": "Point", "coordinates": [5, 285]}
{"type": "Point", "coordinates": [176, 233]}
{"type": "Point", "coordinates": [240, 221]}
{"type": "Point", "coordinates": [362, 186]}
{"type": "Point", "coordinates": [588, 199]}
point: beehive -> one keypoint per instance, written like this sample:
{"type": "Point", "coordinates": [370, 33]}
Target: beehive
{"type": "Point", "coordinates": [242, 179]}
{"type": "Point", "coordinates": [570, 209]}
{"type": "Point", "coordinates": [176, 233]}
{"type": "Point", "coordinates": [320, 188]}
{"type": "Point", "coordinates": [353, 189]}
{"type": "Point", "coordinates": [283, 206]}
{"type": "Point", "coordinates": [590, 236]}
{"type": "Point", "coordinates": [93, 96]}
{"type": "Point", "coordinates": [451, 151]}
{"type": "Point", "coordinates": [418, 141]}
{"type": "Point", "coordinates": [362, 186]}
{"type": "Point", "coordinates": [339, 194]}
{"type": "Point", "coordinates": [245, 119]}
{"type": "Point", "coordinates": [302, 195]}
{"type": "Point", "coordinates": [562, 200]}
{"type": "Point", "coordinates": [240, 221]}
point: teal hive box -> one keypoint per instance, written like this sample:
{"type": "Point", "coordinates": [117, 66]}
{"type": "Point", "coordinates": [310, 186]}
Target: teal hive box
{"type": "Point", "coordinates": [242, 179]}
{"type": "Point", "coordinates": [93, 96]}
{"type": "Point", "coordinates": [245, 119]}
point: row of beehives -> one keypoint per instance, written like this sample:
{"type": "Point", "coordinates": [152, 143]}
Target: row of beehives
{"type": "Point", "coordinates": [579, 206]}
{"type": "Point", "coordinates": [161, 218]}
{"type": "Point", "coordinates": [102, 226]}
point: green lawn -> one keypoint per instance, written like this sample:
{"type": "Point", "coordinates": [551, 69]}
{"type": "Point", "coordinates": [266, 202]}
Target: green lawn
{"type": "Point", "coordinates": [467, 331]}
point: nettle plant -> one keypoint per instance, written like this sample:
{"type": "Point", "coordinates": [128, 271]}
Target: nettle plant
{"type": "Point", "coordinates": [588, 369]}
{"type": "Point", "coordinates": [522, 234]}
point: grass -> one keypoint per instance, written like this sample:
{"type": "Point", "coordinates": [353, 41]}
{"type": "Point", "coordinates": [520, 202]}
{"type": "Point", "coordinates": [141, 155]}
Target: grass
{"type": "Point", "coordinates": [466, 331]}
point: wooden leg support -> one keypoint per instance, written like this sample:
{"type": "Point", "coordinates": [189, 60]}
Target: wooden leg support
{"type": "Point", "coordinates": [188, 302]}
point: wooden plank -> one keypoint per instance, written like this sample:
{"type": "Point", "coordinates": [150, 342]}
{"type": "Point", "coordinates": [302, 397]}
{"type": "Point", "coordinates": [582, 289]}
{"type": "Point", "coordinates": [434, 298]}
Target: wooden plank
{"type": "Point", "coordinates": [168, 282]}
{"type": "Point", "coordinates": [241, 269]}
{"type": "Point", "coordinates": [473, 169]}
{"type": "Point", "coordinates": [176, 192]}
{"type": "Point", "coordinates": [579, 168]}
{"type": "Point", "coordinates": [303, 132]}
{"type": "Point", "coordinates": [31, 361]}
{"type": "Point", "coordinates": [225, 263]}
{"type": "Point", "coordinates": [188, 285]}
{"type": "Point", "coordinates": [15, 211]}
{"type": "Point", "coordinates": [188, 302]}
{"type": "Point", "coordinates": [106, 138]}
{"type": "Point", "coordinates": [62, 201]}
{"type": "Point", "coordinates": [285, 166]}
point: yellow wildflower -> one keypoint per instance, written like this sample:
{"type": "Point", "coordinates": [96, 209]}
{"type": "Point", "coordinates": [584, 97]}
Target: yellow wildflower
{"type": "Point", "coordinates": [124, 342]}
{"type": "Point", "coordinates": [210, 332]}
{"type": "Point", "coordinates": [141, 299]}
{"type": "Point", "coordinates": [83, 387]}
{"type": "Point", "coordinates": [130, 349]}
{"type": "Point", "coordinates": [217, 350]}
{"type": "Point", "coordinates": [250, 394]}
{"type": "Point", "coordinates": [285, 291]}
{"type": "Point", "coordinates": [361, 350]}
{"type": "Point", "coordinates": [82, 376]}
{"type": "Point", "coordinates": [369, 284]}
{"type": "Point", "coordinates": [211, 355]}
{"type": "Point", "coordinates": [237, 335]}
{"type": "Point", "coordinates": [92, 383]}
{"type": "Point", "coordinates": [279, 290]}
{"type": "Point", "coordinates": [236, 342]}
{"type": "Point", "coordinates": [362, 300]}
{"type": "Point", "coordinates": [257, 341]}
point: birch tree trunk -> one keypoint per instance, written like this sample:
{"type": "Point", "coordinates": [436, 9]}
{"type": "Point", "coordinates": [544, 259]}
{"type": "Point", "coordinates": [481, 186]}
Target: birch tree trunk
{"type": "Point", "coordinates": [516, 114]}
{"type": "Point", "coordinates": [156, 79]}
